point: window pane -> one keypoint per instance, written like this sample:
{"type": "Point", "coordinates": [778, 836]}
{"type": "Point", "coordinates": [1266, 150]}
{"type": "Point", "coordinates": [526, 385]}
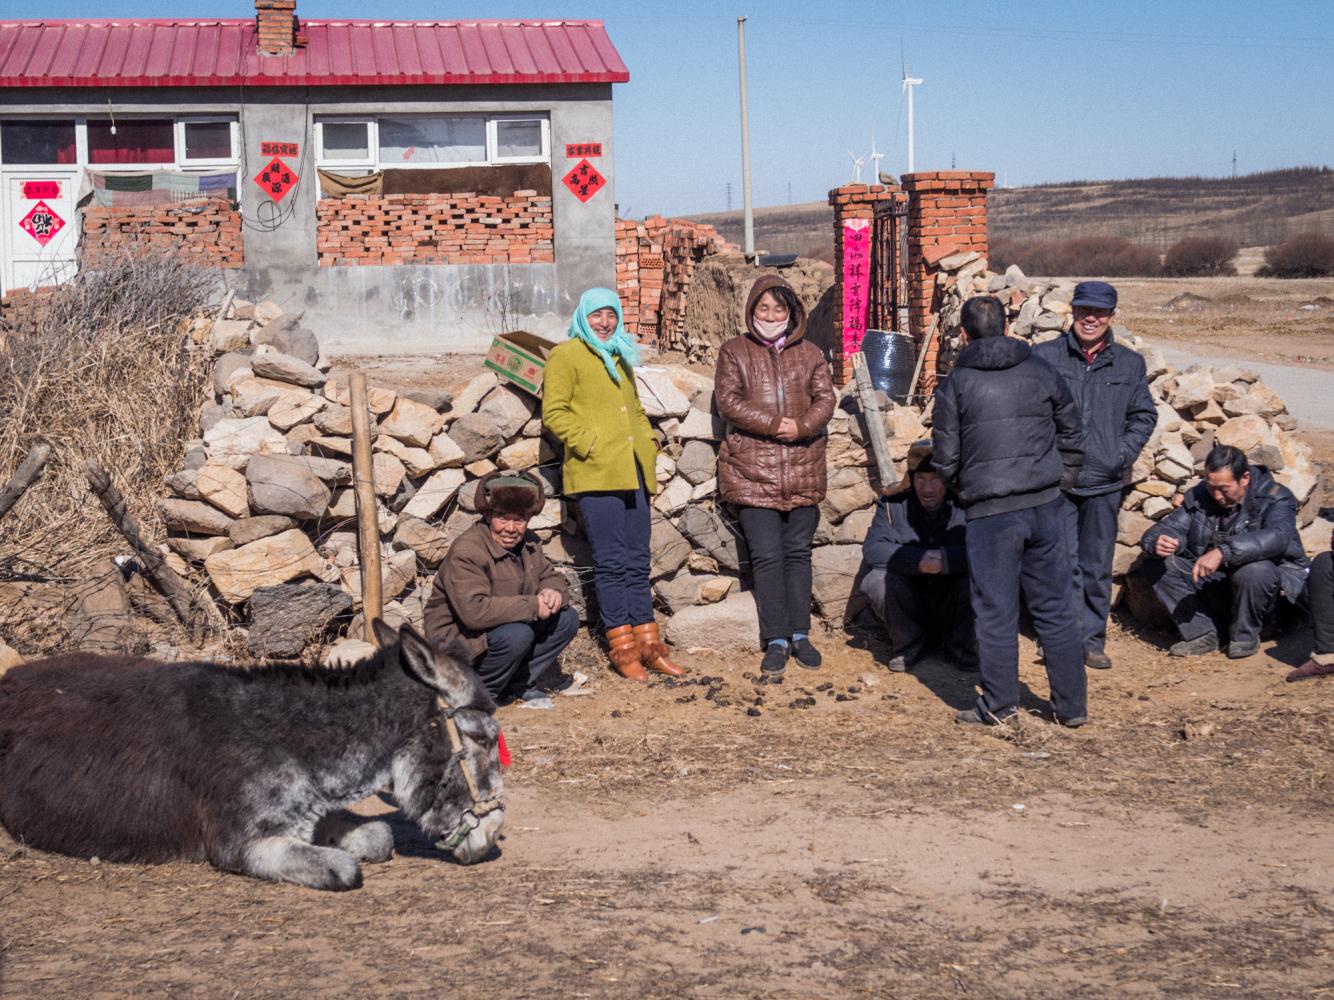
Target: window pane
{"type": "Point", "coordinates": [433, 140]}
{"type": "Point", "coordinates": [346, 140]}
{"type": "Point", "coordinates": [137, 140]}
{"type": "Point", "coordinates": [37, 142]}
{"type": "Point", "coordinates": [518, 138]}
{"type": "Point", "coordinates": [208, 140]}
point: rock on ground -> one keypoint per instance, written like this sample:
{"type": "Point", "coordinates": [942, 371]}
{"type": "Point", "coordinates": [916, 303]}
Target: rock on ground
{"type": "Point", "coordinates": [732, 623]}
{"type": "Point", "coordinates": [286, 618]}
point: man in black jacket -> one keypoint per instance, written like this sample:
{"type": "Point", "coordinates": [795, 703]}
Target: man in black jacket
{"type": "Point", "coordinates": [1320, 600]}
{"type": "Point", "coordinates": [1007, 436]}
{"type": "Point", "coordinates": [917, 581]}
{"type": "Point", "coordinates": [1222, 558]}
{"type": "Point", "coordinates": [1111, 390]}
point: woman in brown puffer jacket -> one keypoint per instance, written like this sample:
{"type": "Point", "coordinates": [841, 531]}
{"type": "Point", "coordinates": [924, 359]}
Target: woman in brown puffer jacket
{"type": "Point", "coordinates": [774, 390]}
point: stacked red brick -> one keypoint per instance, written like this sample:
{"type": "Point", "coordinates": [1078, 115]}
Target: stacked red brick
{"type": "Point", "coordinates": [654, 259]}
{"type": "Point", "coordinates": [853, 201]}
{"type": "Point", "coordinates": [947, 213]}
{"type": "Point", "coordinates": [205, 231]}
{"type": "Point", "coordinates": [464, 228]}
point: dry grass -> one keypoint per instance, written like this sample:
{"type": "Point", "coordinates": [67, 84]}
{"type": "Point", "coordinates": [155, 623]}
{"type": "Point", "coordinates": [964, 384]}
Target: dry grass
{"type": "Point", "coordinates": [101, 369]}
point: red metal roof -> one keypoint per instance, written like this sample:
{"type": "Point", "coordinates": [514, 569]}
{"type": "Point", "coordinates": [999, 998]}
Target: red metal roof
{"type": "Point", "coordinates": [175, 53]}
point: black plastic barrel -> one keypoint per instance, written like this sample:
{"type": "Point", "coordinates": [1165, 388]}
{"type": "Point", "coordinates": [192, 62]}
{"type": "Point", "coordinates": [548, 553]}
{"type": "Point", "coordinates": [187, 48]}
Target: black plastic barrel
{"type": "Point", "coordinates": [890, 360]}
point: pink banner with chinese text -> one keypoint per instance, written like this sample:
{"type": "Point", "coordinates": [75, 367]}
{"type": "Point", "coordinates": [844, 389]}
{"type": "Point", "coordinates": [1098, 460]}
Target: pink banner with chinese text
{"type": "Point", "coordinates": [856, 282]}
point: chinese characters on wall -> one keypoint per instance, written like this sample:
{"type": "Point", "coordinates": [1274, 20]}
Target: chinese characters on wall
{"type": "Point", "coordinates": [856, 282]}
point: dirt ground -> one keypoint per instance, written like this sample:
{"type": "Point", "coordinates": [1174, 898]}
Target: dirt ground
{"type": "Point", "coordinates": [833, 835]}
{"type": "Point", "coordinates": [846, 839]}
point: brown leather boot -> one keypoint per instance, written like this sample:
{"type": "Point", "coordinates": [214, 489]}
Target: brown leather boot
{"type": "Point", "coordinates": [653, 652]}
{"type": "Point", "coordinates": [625, 658]}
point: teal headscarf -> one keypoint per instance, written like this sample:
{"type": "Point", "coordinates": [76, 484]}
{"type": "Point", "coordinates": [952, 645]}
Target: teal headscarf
{"type": "Point", "coordinates": [618, 345]}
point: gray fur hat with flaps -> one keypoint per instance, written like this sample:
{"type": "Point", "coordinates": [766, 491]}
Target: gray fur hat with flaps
{"type": "Point", "coordinates": [509, 494]}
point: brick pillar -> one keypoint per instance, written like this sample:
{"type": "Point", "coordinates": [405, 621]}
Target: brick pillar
{"type": "Point", "coordinates": [852, 201]}
{"type": "Point", "coordinates": [947, 213]}
{"type": "Point", "coordinates": [276, 20]}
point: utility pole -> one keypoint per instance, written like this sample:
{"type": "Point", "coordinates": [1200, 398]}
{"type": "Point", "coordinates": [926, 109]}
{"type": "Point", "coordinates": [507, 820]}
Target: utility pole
{"type": "Point", "coordinates": [789, 192]}
{"type": "Point", "coordinates": [951, 161]}
{"type": "Point", "coordinates": [729, 196]}
{"type": "Point", "coordinates": [1234, 164]}
{"type": "Point", "coordinates": [748, 218]}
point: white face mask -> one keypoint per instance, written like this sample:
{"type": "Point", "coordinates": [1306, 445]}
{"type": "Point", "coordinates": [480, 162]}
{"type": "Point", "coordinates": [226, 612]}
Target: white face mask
{"type": "Point", "coordinates": [770, 329]}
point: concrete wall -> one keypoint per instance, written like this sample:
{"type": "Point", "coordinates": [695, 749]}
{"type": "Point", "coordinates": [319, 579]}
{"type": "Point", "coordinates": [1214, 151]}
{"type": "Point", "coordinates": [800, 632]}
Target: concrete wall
{"type": "Point", "coordinates": [402, 308]}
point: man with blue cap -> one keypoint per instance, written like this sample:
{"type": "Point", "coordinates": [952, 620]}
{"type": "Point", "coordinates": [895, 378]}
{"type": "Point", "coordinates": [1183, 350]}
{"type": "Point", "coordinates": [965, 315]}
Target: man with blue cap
{"type": "Point", "coordinates": [1111, 389]}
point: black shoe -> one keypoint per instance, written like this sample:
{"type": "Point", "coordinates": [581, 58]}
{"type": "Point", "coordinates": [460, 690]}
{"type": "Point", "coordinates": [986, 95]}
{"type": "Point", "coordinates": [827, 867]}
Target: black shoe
{"type": "Point", "coordinates": [775, 658]}
{"type": "Point", "coordinates": [1073, 722]}
{"type": "Point", "coordinates": [1240, 650]}
{"type": "Point", "coordinates": [1207, 643]}
{"type": "Point", "coordinates": [978, 717]}
{"type": "Point", "coordinates": [906, 658]}
{"type": "Point", "coordinates": [805, 654]}
{"type": "Point", "coordinates": [1096, 659]}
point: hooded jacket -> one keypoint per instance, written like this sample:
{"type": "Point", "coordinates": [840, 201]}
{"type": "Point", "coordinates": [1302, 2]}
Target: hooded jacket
{"type": "Point", "coordinates": [1115, 407]}
{"type": "Point", "coordinates": [1265, 529]}
{"type": "Point", "coordinates": [755, 387]}
{"type": "Point", "coordinates": [1005, 429]}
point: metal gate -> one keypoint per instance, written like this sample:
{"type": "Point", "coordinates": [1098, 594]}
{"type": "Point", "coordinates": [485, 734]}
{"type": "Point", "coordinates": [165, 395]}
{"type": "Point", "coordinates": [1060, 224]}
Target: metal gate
{"type": "Point", "coordinates": [889, 272]}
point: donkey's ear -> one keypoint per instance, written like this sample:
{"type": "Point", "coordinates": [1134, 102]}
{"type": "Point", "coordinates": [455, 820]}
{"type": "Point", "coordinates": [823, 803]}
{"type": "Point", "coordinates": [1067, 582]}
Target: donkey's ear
{"type": "Point", "coordinates": [448, 674]}
{"type": "Point", "coordinates": [385, 635]}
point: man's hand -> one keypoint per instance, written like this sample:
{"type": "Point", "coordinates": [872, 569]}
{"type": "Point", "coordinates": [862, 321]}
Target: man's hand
{"type": "Point", "coordinates": [1207, 565]}
{"type": "Point", "coordinates": [1165, 546]}
{"type": "Point", "coordinates": [787, 430]}
{"type": "Point", "coordinates": [548, 603]}
{"type": "Point", "coordinates": [932, 562]}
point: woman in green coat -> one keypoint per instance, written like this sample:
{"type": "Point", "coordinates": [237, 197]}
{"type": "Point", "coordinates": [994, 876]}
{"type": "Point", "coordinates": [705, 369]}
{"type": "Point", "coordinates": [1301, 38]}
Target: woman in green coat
{"type": "Point", "coordinates": [590, 404]}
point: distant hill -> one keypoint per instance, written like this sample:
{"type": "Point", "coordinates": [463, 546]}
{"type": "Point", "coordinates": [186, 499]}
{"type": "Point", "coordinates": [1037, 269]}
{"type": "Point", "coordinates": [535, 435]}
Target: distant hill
{"type": "Point", "coordinates": [1254, 209]}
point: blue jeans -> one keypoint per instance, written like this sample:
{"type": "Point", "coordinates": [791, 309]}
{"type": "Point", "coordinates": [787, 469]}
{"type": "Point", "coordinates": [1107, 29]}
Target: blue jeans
{"type": "Point", "coordinates": [1028, 550]}
{"type": "Point", "coordinates": [1091, 536]}
{"type": "Point", "coordinates": [619, 526]}
{"type": "Point", "coordinates": [538, 642]}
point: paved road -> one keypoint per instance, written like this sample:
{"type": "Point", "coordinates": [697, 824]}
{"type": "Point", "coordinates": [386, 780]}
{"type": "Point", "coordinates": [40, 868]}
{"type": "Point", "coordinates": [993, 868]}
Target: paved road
{"type": "Point", "coordinates": [1309, 392]}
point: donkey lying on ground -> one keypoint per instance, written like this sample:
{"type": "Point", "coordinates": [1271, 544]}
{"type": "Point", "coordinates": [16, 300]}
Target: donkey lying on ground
{"type": "Point", "coordinates": [131, 760]}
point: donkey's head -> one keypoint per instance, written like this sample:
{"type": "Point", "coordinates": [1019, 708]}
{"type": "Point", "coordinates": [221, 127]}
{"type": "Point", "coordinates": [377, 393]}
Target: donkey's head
{"type": "Point", "coordinates": [447, 772]}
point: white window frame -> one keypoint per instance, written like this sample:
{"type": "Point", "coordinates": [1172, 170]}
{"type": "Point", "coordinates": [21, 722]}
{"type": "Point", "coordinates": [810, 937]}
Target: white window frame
{"type": "Point", "coordinates": [373, 162]}
{"type": "Point", "coordinates": [184, 163]}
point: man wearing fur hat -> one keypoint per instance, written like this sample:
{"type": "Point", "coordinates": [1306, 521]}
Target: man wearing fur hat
{"type": "Point", "coordinates": [498, 595]}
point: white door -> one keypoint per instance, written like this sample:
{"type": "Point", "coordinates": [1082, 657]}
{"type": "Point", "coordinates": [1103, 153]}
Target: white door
{"type": "Point", "coordinates": [41, 227]}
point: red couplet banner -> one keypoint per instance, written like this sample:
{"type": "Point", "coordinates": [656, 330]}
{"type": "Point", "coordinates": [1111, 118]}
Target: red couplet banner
{"type": "Point", "coordinates": [856, 282]}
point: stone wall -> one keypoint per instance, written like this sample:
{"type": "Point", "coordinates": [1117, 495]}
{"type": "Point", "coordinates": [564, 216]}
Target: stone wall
{"type": "Point", "coordinates": [462, 228]}
{"type": "Point", "coordinates": [205, 231]}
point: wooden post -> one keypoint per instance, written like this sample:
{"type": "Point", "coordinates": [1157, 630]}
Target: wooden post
{"type": "Point", "coordinates": [921, 356]}
{"type": "Point", "coordinates": [24, 476]}
{"type": "Point", "coordinates": [368, 528]}
{"type": "Point", "coordinates": [875, 422]}
{"type": "Point", "coordinates": [176, 590]}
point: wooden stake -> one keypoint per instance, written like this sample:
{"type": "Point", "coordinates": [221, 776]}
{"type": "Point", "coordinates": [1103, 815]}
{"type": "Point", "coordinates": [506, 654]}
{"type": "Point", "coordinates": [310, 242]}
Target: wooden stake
{"type": "Point", "coordinates": [921, 356]}
{"type": "Point", "coordinates": [24, 476]}
{"type": "Point", "coordinates": [176, 590]}
{"type": "Point", "coordinates": [368, 528]}
{"type": "Point", "coordinates": [875, 422]}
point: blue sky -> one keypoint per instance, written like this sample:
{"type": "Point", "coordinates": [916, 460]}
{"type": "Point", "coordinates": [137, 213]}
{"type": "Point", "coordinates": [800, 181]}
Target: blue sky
{"type": "Point", "coordinates": [1034, 90]}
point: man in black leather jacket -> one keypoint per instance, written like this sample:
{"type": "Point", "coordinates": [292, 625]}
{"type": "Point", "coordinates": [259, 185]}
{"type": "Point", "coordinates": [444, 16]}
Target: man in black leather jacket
{"type": "Point", "coordinates": [917, 581]}
{"type": "Point", "coordinates": [1007, 436]}
{"type": "Point", "coordinates": [1108, 382]}
{"type": "Point", "coordinates": [1222, 558]}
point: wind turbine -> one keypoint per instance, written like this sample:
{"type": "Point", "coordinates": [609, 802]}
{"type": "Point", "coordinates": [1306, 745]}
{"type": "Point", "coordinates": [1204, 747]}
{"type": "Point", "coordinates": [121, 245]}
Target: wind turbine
{"type": "Point", "coordinates": [875, 157]}
{"type": "Point", "coordinates": [857, 162]}
{"type": "Point", "coordinates": [908, 83]}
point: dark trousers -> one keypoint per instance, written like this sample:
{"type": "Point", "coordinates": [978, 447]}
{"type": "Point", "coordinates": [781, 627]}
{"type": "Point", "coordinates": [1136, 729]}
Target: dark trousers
{"type": "Point", "coordinates": [915, 608]}
{"type": "Point", "coordinates": [619, 526]}
{"type": "Point", "coordinates": [1091, 535]}
{"type": "Point", "coordinates": [537, 643]}
{"type": "Point", "coordinates": [1025, 550]}
{"type": "Point", "coordinates": [1320, 592]}
{"type": "Point", "coordinates": [780, 564]}
{"type": "Point", "coordinates": [1231, 602]}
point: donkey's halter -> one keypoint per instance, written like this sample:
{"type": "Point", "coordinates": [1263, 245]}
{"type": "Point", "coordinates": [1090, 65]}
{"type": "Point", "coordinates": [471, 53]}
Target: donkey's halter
{"type": "Point", "coordinates": [472, 817]}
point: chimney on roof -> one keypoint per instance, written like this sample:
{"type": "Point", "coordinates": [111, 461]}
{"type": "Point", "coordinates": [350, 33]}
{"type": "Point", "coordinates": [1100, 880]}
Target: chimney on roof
{"type": "Point", "coordinates": [276, 21]}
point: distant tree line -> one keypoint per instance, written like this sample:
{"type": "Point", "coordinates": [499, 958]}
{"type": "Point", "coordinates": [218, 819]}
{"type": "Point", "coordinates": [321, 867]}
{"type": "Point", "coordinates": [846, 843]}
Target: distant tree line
{"type": "Point", "coordinates": [1310, 255]}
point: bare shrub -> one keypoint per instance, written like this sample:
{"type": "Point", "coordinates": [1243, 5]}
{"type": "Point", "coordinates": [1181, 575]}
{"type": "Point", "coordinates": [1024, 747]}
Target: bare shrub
{"type": "Point", "coordinates": [101, 368]}
{"type": "Point", "coordinates": [1310, 255]}
{"type": "Point", "coordinates": [1201, 257]}
{"type": "Point", "coordinates": [1107, 256]}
